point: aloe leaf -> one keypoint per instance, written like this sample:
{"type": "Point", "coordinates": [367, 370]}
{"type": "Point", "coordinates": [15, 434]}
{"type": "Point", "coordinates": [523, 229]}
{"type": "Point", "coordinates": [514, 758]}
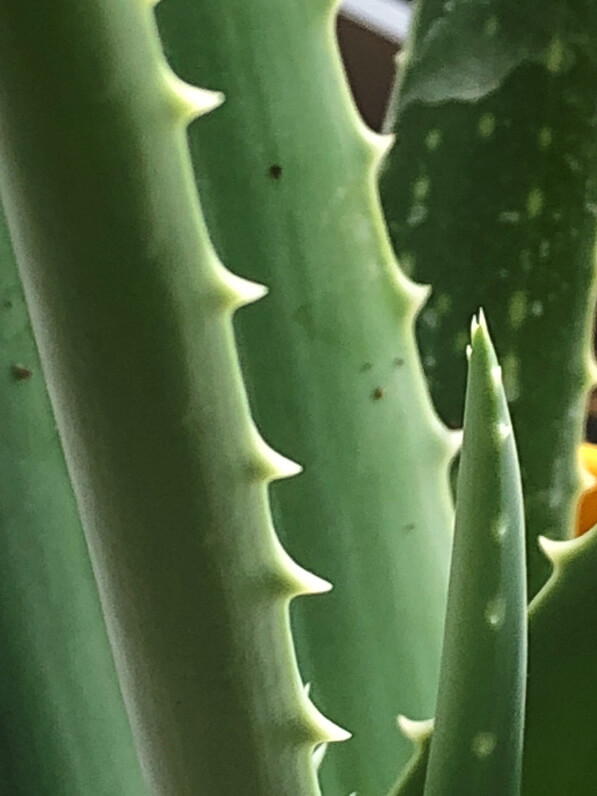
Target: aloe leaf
{"type": "Point", "coordinates": [560, 736]}
{"type": "Point", "coordinates": [412, 779]}
{"type": "Point", "coordinates": [490, 196]}
{"type": "Point", "coordinates": [63, 726]}
{"type": "Point", "coordinates": [477, 742]}
{"type": "Point", "coordinates": [132, 312]}
{"type": "Point", "coordinates": [287, 174]}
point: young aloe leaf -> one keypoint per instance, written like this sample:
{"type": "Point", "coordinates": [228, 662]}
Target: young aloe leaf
{"type": "Point", "coordinates": [63, 726]}
{"type": "Point", "coordinates": [477, 742]}
{"type": "Point", "coordinates": [287, 175]}
{"type": "Point", "coordinates": [133, 316]}
{"type": "Point", "coordinates": [490, 196]}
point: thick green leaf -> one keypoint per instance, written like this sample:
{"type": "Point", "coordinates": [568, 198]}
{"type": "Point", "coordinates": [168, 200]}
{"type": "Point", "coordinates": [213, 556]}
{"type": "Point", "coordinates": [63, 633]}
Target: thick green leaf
{"type": "Point", "coordinates": [133, 316]}
{"type": "Point", "coordinates": [490, 197]}
{"type": "Point", "coordinates": [561, 733]}
{"type": "Point", "coordinates": [477, 742]}
{"type": "Point", "coordinates": [287, 176]}
{"type": "Point", "coordinates": [63, 726]}
{"type": "Point", "coordinates": [412, 779]}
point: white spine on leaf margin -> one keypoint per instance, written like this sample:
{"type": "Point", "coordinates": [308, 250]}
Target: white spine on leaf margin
{"type": "Point", "coordinates": [189, 102]}
{"type": "Point", "coordinates": [559, 551]}
{"type": "Point", "coordinates": [238, 292]}
{"type": "Point", "coordinates": [379, 144]}
{"type": "Point", "coordinates": [415, 731]}
{"type": "Point", "coordinates": [453, 439]}
{"type": "Point", "coordinates": [327, 731]}
{"type": "Point", "coordinates": [297, 581]}
{"type": "Point", "coordinates": [269, 465]}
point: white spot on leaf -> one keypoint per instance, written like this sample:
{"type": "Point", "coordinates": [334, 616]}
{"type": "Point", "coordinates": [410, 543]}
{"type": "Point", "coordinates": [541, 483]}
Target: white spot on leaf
{"type": "Point", "coordinates": [544, 138]}
{"type": "Point", "coordinates": [421, 188]}
{"type": "Point", "coordinates": [517, 309]}
{"type": "Point", "coordinates": [483, 744]}
{"type": "Point", "coordinates": [536, 308]}
{"type": "Point", "coordinates": [433, 139]}
{"type": "Point", "coordinates": [504, 430]}
{"type": "Point", "coordinates": [491, 26]}
{"type": "Point", "coordinates": [486, 125]}
{"type": "Point", "coordinates": [511, 376]}
{"type": "Point", "coordinates": [535, 201]}
{"type": "Point", "coordinates": [417, 215]}
{"type": "Point", "coordinates": [495, 613]}
{"type": "Point", "coordinates": [500, 531]}
{"type": "Point", "coordinates": [554, 57]}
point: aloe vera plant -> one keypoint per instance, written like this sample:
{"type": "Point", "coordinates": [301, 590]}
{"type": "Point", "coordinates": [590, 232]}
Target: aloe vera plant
{"type": "Point", "coordinates": [130, 288]}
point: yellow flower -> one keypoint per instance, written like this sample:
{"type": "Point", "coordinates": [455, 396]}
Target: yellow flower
{"type": "Point", "coordinates": [586, 514]}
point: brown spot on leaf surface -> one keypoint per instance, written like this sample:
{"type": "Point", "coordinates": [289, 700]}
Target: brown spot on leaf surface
{"type": "Point", "coordinates": [20, 372]}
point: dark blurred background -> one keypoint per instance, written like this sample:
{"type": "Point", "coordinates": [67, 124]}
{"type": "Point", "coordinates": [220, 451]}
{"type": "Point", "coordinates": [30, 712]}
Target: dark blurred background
{"type": "Point", "coordinates": [370, 34]}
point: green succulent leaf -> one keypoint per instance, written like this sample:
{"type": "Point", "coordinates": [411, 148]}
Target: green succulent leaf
{"type": "Point", "coordinates": [562, 700]}
{"type": "Point", "coordinates": [559, 738]}
{"type": "Point", "coordinates": [132, 312]}
{"type": "Point", "coordinates": [477, 742]}
{"type": "Point", "coordinates": [412, 779]}
{"type": "Point", "coordinates": [287, 175]}
{"type": "Point", "coordinates": [490, 196]}
{"type": "Point", "coordinates": [63, 726]}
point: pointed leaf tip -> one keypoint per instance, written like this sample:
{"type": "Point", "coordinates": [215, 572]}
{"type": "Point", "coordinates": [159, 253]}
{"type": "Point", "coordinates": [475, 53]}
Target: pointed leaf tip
{"type": "Point", "coordinates": [478, 322]}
